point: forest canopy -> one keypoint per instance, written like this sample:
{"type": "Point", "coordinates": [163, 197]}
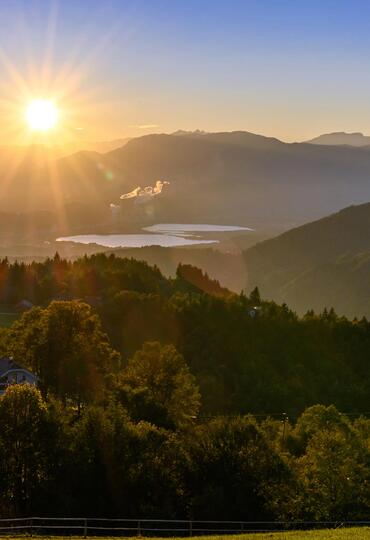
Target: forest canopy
{"type": "Point", "coordinates": [175, 398]}
{"type": "Point", "coordinates": [91, 316]}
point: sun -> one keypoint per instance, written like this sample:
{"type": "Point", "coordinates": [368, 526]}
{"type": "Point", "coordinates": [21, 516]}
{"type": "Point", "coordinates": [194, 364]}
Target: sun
{"type": "Point", "coordinates": [42, 115]}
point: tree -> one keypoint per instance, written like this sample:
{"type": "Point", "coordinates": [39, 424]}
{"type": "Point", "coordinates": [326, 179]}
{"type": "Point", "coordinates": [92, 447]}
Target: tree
{"type": "Point", "coordinates": [123, 467]}
{"type": "Point", "coordinates": [314, 421]}
{"type": "Point", "coordinates": [334, 474]}
{"type": "Point", "coordinates": [64, 344]}
{"type": "Point", "coordinates": [255, 297]}
{"type": "Point", "coordinates": [27, 445]}
{"type": "Point", "coordinates": [157, 386]}
{"type": "Point", "coordinates": [236, 473]}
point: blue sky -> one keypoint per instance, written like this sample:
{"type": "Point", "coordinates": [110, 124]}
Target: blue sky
{"type": "Point", "coordinates": [292, 69]}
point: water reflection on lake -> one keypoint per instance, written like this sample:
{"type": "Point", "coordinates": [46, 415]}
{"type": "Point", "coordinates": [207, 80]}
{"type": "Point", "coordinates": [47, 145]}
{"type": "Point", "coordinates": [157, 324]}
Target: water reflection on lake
{"type": "Point", "coordinates": [133, 240]}
{"type": "Point", "coordinates": [181, 228]}
{"type": "Point", "coordinates": [162, 234]}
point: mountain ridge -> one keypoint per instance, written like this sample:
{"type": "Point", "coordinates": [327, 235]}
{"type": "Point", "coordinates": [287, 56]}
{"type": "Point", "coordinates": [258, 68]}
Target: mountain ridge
{"type": "Point", "coordinates": [318, 265]}
{"type": "Point", "coordinates": [235, 178]}
{"type": "Point", "coordinates": [340, 138]}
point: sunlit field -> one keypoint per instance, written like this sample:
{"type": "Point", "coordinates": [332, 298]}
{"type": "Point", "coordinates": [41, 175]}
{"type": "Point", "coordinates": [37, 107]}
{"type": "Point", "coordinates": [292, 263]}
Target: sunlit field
{"type": "Point", "coordinates": [337, 534]}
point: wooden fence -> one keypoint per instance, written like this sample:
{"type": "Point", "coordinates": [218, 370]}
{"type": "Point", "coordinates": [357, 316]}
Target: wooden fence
{"type": "Point", "coordinates": [90, 526]}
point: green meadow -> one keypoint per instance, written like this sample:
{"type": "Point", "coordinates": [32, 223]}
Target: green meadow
{"type": "Point", "coordinates": [360, 533]}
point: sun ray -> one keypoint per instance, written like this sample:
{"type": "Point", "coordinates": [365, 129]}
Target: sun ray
{"type": "Point", "coordinates": [56, 190]}
{"type": "Point", "coordinates": [39, 84]}
{"type": "Point", "coordinates": [49, 45]}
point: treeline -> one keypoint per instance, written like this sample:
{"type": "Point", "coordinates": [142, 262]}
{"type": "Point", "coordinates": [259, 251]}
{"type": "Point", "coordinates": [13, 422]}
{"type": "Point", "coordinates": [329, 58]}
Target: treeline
{"type": "Point", "coordinates": [105, 462]}
{"type": "Point", "coordinates": [248, 356]}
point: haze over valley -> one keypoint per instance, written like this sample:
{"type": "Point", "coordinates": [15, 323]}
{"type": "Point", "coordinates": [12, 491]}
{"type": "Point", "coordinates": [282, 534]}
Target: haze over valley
{"type": "Point", "coordinates": [233, 178]}
{"type": "Point", "coordinates": [240, 188]}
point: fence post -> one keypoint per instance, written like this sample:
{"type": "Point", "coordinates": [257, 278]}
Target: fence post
{"type": "Point", "coordinates": [85, 528]}
{"type": "Point", "coordinates": [190, 528]}
{"type": "Point", "coordinates": [31, 527]}
{"type": "Point", "coordinates": [139, 528]}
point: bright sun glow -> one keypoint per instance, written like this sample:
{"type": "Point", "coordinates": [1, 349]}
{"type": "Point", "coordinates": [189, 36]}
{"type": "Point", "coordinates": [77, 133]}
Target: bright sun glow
{"type": "Point", "coordinates": [41, 115]}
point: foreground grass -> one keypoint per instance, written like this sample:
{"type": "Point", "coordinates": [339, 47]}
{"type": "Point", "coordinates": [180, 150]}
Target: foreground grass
{"type": "Point", "coordinates": [7, 319]}
{"type": "Point", "coordinates": [362, 533]}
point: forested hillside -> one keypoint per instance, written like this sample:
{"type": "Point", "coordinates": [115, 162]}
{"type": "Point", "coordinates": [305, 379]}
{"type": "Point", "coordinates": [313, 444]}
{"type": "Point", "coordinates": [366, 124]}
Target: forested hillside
{"type": "Point", "coordinates": [247, 355]}
{"type": "Point", "coordinates": [321, 264]}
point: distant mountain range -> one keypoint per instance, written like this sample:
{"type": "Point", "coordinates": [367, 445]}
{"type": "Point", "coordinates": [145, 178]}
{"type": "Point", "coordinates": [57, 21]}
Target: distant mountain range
{"type": "Point", "coordinates": [227, 178]}
{"type": "Point", "coordinates": [342, 138]}
{"type": "Point", "coordinates": [325, 263]}
{"type": "Point", "coordinates": [101, 146]}
{"type": "Point", "coordinates": [238, 178]}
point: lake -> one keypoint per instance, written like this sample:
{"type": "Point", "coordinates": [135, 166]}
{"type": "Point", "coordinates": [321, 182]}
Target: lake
{"type": "Point", "coordinates": [133, 240]}
{"type": "Point", "coordinates": [181, 228]}
{"type": "Point", "coordinates": [163, 234]}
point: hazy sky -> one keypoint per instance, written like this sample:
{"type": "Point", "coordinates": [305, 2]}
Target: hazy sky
{"type": "Point", "coordinates": [287, 68]}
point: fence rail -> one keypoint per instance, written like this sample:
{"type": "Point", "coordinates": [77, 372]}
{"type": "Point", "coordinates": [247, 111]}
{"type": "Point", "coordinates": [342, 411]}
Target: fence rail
{"type": "Point", "coordinates": [154, 527]}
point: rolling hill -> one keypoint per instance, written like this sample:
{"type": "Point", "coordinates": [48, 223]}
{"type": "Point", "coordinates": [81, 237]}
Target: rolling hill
{"type": "Point", "coordinates": [321, 264]}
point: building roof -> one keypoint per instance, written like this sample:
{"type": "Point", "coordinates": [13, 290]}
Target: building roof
{"type": "Point", "coordinates": [24, 305]}
{"type": "Point", "coordinates": [7, 364]}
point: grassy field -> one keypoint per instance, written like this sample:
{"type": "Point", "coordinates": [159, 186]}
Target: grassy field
{"type": "Point", "coordinates": [6, 319]}
{"type": "Point", "coordinates": [338, 534]}
{"type": "Point", "coordinates": [362, 533]}
{"type": "Point", "coordinates": [7, 315]}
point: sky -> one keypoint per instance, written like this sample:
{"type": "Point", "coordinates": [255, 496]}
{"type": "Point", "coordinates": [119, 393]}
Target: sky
{"type": "Point", "coordinates": [120, 68]}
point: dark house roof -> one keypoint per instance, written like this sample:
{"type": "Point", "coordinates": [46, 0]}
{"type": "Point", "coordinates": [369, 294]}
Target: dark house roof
{"type": "Point", "coordinates": [24, 305]}
{"type": "Point", "coordinates": [6, 364]}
